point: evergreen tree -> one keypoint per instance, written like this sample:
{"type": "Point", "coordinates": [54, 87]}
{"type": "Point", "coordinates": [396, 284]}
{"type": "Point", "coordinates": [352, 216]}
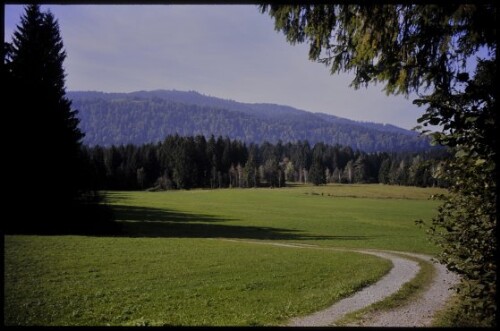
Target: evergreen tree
{"type": "Point", "coordinates": [271, 172]}
{"type": "Point", "coordinates": [251, 173]}
{"type": "Point", "coordinates": [360, 170]}
{"type": "Point", "coordinates": [383, 173]}
{"type": "Point", "coordinates": [44, 113]}
{"type": "Point", "coordinates": [317, 172]}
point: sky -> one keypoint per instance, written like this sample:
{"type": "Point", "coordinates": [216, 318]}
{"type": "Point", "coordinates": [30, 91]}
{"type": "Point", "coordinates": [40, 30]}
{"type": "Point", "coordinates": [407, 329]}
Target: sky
{"type": "Point", "coordinates": [226, 51]}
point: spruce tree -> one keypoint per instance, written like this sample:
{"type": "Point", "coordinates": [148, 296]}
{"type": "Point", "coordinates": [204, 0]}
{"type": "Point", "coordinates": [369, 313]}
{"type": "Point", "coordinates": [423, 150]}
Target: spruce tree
{"type": "Point", "coordinates": [317, 172]}
{"type": "Point", "coordinates": [51, 168]}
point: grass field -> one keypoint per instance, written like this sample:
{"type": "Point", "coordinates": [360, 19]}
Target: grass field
{"type": "Point", "coordinates": [366, 216]}
{"type": "Point", "coordinates": [123, 281]}
{"type": "Point", "coordinates": [172, 265]}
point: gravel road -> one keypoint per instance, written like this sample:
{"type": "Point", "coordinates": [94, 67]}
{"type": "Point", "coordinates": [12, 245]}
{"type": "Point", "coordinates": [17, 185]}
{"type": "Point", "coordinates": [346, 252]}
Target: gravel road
{"type": "Point", "coordinates": [418, 312]}
{"type": "Point", "coordinates": [403, 270]}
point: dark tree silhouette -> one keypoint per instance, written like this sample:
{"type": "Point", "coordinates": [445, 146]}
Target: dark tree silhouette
{"type": "Point", "coordinates": [52, 170]}
{"type": "Point", "coordinates": [317, 172]}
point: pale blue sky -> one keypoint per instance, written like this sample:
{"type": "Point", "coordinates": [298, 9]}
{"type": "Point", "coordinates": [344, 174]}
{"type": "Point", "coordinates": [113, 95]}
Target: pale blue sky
{"type": "Point", "coordinates": [230, 51]}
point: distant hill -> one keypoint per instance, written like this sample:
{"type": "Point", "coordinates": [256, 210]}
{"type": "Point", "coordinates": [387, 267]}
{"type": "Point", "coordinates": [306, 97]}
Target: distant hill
{"type": "Point", "coordinates": [149, 116]}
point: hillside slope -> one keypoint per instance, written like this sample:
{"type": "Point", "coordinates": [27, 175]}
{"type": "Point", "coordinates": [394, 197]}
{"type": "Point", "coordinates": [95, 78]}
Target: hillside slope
{"type": "Point", "coordinates": [149, 116]}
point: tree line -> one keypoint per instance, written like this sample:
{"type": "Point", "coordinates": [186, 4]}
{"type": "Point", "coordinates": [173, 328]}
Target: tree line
{"type": "Point", "coordinates": [195, 162]}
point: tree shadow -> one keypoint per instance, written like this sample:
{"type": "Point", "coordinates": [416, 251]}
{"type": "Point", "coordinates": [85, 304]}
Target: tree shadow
{"type": "Point", "coordinates": [162, 223]}
{"type": "Point", "coordinates": [115, 197]}
{"type": "Point", "coordinates": [147, 214]}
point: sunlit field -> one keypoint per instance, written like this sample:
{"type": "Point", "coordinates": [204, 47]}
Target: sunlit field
{"type": "Point", "coordinates": [174, 264]}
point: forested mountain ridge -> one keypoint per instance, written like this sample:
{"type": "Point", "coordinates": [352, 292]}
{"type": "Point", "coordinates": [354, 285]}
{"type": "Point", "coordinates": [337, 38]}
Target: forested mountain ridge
{"type": "Point", "coordinates": [149, 116]}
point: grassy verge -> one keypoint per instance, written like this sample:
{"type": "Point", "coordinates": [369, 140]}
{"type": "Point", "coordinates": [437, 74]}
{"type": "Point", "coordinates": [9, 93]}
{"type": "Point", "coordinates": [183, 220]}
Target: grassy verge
{"type": "Point", "coordinates": [90, 281]}
{"type": "Point", "coordinates": [454, 315]}
{"type": "Point", "coordinates": [408, 292]}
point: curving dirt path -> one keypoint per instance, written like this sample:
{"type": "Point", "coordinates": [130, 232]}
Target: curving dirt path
{"type": "Point", "coordinates": [403, 271]}
{"type": "Point", "coordinates": [418, 312]}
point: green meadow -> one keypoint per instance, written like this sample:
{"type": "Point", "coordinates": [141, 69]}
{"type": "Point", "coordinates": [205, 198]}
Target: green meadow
{"type": "Point", "coordinates": [191, 258]}
{"type": "Point", "coordinates": [354, 216]}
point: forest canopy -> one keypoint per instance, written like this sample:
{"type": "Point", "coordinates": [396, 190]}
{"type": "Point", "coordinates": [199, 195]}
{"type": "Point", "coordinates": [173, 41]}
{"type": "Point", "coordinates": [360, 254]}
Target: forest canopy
{"type": "Point", "coordinates": [195, 162]}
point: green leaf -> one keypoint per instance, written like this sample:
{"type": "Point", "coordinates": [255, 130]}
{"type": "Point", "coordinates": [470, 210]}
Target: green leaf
{"type": "Point", "coordinates": [471, 119]}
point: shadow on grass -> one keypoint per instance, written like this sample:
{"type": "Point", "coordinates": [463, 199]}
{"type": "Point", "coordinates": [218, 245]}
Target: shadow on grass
{"type": "Point", "coordinates": [147, 214]}
{"type": "Point", "coordinates": [161, 223]}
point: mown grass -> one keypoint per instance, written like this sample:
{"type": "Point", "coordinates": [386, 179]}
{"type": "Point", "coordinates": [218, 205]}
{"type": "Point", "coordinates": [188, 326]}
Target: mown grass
{"type": "Point", "coordinates": [373, 216]}
{"type": "Point", "coordinates": [170, 266]}
{"type": "Point", "coordinates": [73, 280]}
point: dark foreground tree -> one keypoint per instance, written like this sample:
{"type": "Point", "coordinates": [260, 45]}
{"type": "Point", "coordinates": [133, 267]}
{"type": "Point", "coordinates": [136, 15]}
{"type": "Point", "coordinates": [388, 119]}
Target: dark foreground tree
{"type": "Point", "coordinates": [50, 167]}
{"type": "Point", "coordinates": [414, 48]}
{"type": "Point", "coordinates": [466, 225]}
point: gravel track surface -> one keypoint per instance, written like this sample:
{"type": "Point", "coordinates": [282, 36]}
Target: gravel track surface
{"type": "Point", "coordinates": [403, 270]}
{"type": "Point", "coordinates": [418, 312]}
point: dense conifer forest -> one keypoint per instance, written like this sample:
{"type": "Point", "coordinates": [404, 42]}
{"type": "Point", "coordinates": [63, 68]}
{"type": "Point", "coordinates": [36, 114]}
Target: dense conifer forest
{"type": "Point", "coordinates": [195, 162]}
{"type": "Point", "coordinates": [149, 116]}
